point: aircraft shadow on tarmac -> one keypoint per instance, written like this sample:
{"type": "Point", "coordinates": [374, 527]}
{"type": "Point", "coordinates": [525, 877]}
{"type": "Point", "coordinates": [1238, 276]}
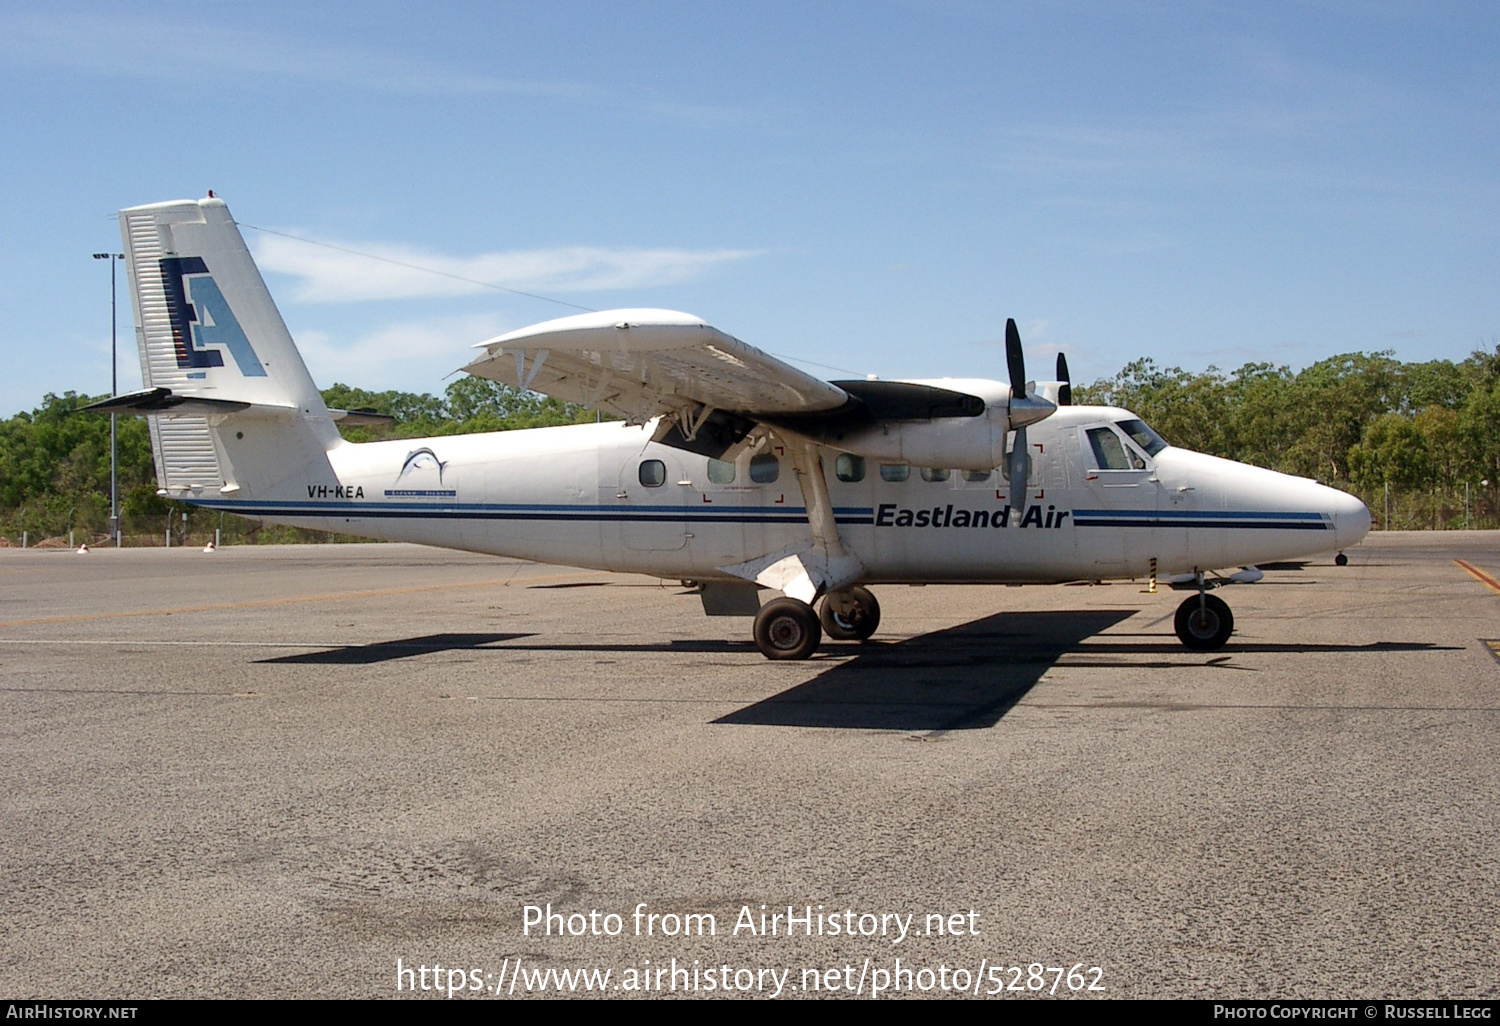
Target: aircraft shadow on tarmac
{"type": "Point", "coordinates": [962, 678]}
{"type": "Point", "coordinates": [968, 677]}
{"type": "Point", "coordinates": [405, 648]}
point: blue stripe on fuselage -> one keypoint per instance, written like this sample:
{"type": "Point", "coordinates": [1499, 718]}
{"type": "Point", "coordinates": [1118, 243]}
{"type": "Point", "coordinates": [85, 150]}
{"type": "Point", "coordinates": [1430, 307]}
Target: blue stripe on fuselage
{"type": "Point", "coordinates": [852, 515]}
{"type": "Point", "coordinates": [1264, 520]}
{"type": "Point", "coordinates": [537, 511]}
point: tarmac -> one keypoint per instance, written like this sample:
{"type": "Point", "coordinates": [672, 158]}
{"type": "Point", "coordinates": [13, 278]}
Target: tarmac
{"type": "Point", "coordinates": [373, 770]}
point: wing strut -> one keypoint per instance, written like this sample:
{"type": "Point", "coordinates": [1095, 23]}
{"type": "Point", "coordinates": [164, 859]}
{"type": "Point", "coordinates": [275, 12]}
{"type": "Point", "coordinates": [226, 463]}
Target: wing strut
{"type": "Point", "coordinates": [809, 467]}
{"type": "Point", "coordinates": [806, 571]}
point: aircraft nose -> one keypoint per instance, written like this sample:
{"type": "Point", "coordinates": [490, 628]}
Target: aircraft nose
{"type": "Point", "coordinates": [1351, 519]}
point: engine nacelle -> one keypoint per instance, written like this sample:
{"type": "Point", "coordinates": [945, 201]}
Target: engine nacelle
{"type": "Point", "coordinates": [958, 443]}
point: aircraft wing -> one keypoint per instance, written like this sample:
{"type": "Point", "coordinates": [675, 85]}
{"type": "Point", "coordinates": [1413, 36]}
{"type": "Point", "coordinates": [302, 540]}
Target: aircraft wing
{"type": "Point", "coordinates": [641, 364]}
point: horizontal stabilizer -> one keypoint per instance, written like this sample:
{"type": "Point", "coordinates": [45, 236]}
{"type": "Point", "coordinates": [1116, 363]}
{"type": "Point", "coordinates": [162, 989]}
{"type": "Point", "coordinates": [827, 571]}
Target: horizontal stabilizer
{"type": "Point", "coordinates": [164, 400]}
{"type": "Point", "coordinates": [362, 418]}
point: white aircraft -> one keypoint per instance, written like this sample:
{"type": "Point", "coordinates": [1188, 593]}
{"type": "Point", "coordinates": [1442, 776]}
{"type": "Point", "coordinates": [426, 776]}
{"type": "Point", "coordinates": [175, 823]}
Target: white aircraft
{"type": "Point", "coordinates": [731, 468]}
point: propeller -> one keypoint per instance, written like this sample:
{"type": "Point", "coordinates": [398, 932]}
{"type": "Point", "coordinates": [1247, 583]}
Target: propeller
{"type": "Point", "coordinates": [1065, 389]}
{"type": "Point", "coordinates": [1025, 408]}
{"type": "Point", "coordinates": [1015, 467]}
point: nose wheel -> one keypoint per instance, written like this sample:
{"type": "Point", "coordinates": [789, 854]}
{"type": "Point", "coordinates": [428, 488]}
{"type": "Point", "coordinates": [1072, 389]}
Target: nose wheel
{"type": "Point", "coordinates": [1204, 622]}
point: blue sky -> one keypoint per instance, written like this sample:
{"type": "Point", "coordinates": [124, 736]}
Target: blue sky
{"type": "Point", "coordinates": [871, 187]}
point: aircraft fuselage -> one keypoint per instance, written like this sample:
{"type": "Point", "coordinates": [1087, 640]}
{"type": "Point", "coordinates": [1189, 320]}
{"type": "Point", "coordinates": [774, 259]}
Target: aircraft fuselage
{"type": "Point", "coordinates": [604, 496]}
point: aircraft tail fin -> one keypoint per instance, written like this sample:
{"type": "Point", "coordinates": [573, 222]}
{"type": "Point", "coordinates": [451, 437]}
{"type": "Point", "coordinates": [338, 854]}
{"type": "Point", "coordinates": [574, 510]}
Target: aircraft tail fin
{"type": "Point", "coordinates": [211, 337]}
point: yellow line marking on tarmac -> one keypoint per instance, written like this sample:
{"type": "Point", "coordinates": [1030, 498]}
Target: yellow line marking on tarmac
{"type": "Point", "coordinates": [284, 601]}
{"type": "Point", "coordinates": [1480, 576]}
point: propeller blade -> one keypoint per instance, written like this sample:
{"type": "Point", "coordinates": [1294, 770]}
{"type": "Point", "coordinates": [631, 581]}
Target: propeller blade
{"type": "Point", "coordinates": [1065, 390]}
{"type": "Point", "coordinates": [1015, 471]}
{"type": "Point", "coordinates": [1015, 464]}
{"type": "Point", "coordinates": [1014, 358]}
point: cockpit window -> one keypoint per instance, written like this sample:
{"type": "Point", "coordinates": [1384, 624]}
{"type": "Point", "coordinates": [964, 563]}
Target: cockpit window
{"type": "Point", "coordinates": [1143, 436]}
{"type": "Point", "coordinates": [1111, 451]}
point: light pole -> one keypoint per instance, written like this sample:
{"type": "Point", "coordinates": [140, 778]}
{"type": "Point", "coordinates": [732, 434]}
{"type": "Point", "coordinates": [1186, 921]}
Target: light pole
{"type": "Point", "coordinates": [114, 390]}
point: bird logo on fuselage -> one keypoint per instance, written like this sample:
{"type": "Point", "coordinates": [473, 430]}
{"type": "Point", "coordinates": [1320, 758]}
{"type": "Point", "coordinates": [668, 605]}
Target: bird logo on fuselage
{"type": "Point", "coordinates": [421, 459]}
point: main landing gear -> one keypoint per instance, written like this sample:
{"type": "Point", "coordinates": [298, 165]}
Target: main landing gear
{"type": "Point", "coordinates": [787, 628]}
{"type": "Point", "coordinates": [850, 615]}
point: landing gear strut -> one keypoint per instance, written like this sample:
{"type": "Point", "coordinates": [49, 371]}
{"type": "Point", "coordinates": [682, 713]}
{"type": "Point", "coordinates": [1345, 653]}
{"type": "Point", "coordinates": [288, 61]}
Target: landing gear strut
{"type": "Point", "coordinates": [850, 615]}
{"type": "Point", "coordinates": [787, 628]}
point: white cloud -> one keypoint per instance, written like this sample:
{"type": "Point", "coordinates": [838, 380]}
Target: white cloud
{"type": "Point", "coordinates": [414, 355]}
{"type": "Point", "coordinates": [366, 271]}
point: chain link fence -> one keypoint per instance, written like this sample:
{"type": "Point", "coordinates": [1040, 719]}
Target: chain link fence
{"type": "Point", "coordinates": [68, 526]}
{"type": "Point", "coordinates": [1475, 507]}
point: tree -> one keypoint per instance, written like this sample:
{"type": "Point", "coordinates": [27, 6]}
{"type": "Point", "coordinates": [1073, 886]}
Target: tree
{"type": "Point", "coordinates": [1392, 451]}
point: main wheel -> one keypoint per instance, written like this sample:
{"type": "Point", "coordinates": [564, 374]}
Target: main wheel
{"type": "Point", "coordinates": [786, 628]}
{"type": "Point", "coordinates": [854, 624]}
{"type": "Point", "coordinates": [1204, 622]}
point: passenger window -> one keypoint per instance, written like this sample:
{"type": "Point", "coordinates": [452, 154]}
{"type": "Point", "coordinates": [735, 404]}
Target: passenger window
{"type": "Point", "coordinates": [720, 472]}
{"type": "Point", "coordinates": [764, 469]}
{"type": "Point", "coordinates": [894, 472]}
{"type": "Point", "coordinates": [976, 475]}
{"type": "Point", "coordinates": [653, 473]}
{"type": "Point", "coordinates": [849, 468]}
{"type": "Point", "coordinates": [1110, 452]}
{"type": "Point", "coordinates": [934, 474]}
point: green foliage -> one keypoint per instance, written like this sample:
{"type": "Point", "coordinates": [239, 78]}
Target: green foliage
{"type": "Point", "coordinates": [54, 460]}
{"type": "Point", "coordinates": [1360, 421]}
{"type": "Point", "coordinates": [54, 470]}
{"type": "Point", "coordinates": [1393, 451]}
{"type": "Point", "coordinates": [468, 405]}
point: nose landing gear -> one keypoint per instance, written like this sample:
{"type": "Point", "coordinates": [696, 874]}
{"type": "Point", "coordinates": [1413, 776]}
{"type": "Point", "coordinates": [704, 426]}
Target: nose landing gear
{"type": "Point", "coordinates": [1204, 622]}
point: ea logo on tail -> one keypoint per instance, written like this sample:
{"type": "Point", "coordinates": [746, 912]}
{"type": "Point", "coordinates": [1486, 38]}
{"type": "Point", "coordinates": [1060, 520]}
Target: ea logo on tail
{"type": "Point", "coordinates": [201, 318]}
